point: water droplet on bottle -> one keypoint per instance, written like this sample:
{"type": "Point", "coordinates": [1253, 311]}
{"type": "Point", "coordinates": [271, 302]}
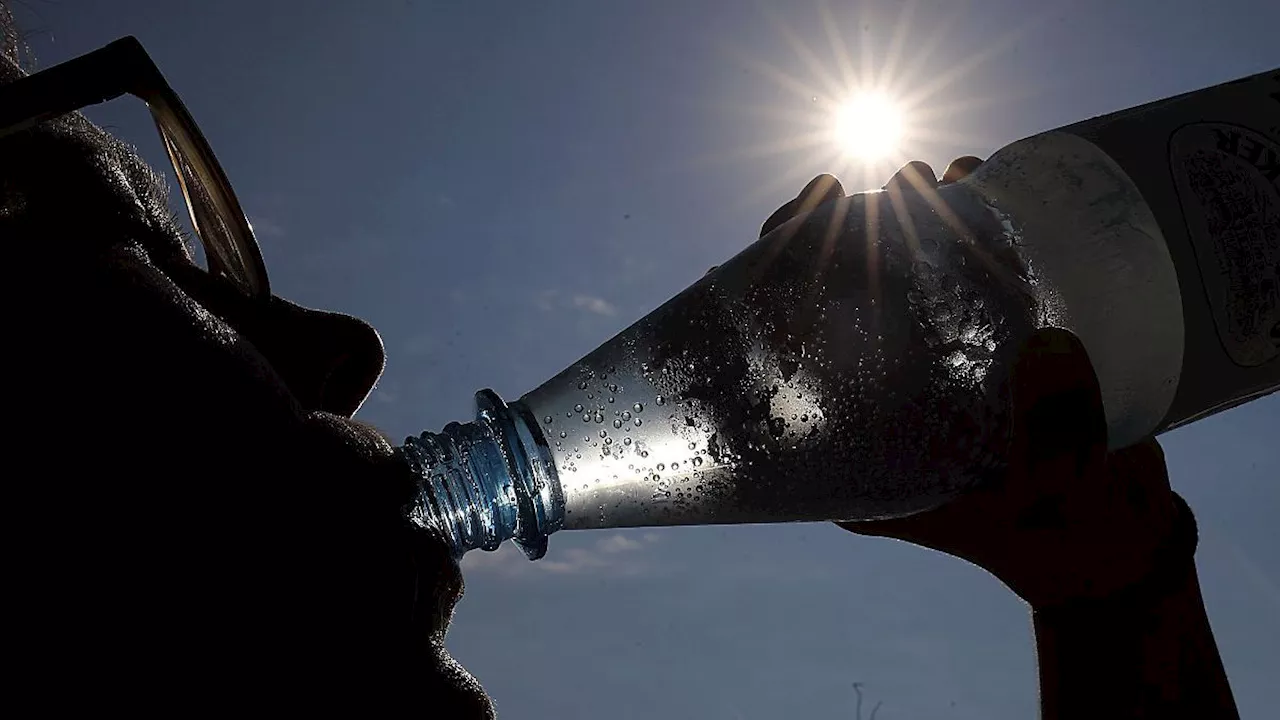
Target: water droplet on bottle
{"type": "Point", "coordinates": [586, 417]}
{"type": "Point", "coordinates": [626, 441]}
{"type": "Point", "coordinates": [598, 417]}
{"type": "Point", "coordinates": [660, 400]}
{"type": "Point", "coordinates": [638, 421]}
{"type": "Point", "coordinates": [610, 399]}
{"type": "Point", "coordinates": [626, 414]}
{"type": "Point", "coordinates": [644, 453]}
{"type": "Point", "coordinates": [674, 466]}
{"type": "Point", "coordinates": [617, 424]}
{"type": "Point", "coordinates": [577, 408]}
{"type": "Point", "coordinates": [613, 388]}
{"type": "Point", "coordinates": [608, 441]}
{"type": "Point", "coordinates": [582, 385]}
{"type": "Point", "coordinates": [638, 407]}
{"type": "Point", "coordinates": [661, 467]}
{"type": "Point", "coordinates": [563, 434]}
{"type": "Point", "coordinates": [547, 419]}
{"type": "Point", "coordinates": [692, 445]}
{"type": "Point", "coordinates": [697, 462]}
{"type": "Point", "coordinates": [591, 396]}
{"type": "Point", "coordinates": [604, 434]}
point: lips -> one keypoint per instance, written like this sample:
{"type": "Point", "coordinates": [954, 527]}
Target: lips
{"type": "Point", "coordinates": [385, 474]}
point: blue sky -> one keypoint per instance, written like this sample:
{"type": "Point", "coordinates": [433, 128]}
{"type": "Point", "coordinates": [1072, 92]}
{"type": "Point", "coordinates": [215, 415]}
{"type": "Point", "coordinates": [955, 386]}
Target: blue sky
{"type": "Point", "coordinates": [499, 187]}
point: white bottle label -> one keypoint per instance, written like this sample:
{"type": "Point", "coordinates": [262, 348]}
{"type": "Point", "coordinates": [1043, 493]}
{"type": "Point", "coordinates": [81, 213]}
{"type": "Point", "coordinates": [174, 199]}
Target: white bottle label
{"type": "Point", "coordinates": [1228, 180]}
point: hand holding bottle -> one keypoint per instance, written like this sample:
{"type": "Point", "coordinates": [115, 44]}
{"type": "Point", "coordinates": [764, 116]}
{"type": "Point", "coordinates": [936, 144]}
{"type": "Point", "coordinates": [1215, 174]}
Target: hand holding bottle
{"type": "Point", "coordinates": [1069, 520]}
{"type": "Point", "coordinates": [1095, 542]}
{"type": "Point", "coordinates": [855, 362]}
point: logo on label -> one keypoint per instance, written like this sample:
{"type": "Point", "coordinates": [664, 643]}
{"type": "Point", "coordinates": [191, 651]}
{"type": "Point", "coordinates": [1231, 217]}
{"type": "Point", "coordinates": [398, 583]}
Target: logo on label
{"type": "Point", "coordinates": [1228, 180]}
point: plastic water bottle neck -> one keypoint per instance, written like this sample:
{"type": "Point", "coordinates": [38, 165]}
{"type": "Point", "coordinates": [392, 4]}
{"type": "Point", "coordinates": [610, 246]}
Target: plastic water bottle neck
{"type": "Point", "coordinates": [487, 481]}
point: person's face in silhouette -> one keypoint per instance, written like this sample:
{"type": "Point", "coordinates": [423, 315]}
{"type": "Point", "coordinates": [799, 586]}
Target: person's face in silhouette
{"type": "Point", "coordinates": [200, 518]}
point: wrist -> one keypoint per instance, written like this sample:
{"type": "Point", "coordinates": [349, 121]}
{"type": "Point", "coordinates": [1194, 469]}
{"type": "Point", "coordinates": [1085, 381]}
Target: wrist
{"type": "Point", "coordinates": [1171, 574]}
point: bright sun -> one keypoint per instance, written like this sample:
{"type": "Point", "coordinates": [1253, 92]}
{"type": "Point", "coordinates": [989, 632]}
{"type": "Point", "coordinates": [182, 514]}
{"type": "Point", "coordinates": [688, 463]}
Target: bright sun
{"type": "Point", "coordinates": [868, 126]}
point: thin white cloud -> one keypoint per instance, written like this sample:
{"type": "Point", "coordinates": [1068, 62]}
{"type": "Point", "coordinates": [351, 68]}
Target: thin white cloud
{"type": "Point", "coordinates": [596, 305]}
{"type": "Point", "coordinates": [552, 300]}
{"type": "Point", "coordinates": [546, 300]}
{"type": "Point", "coordinates": [618, 543]}
{"type": "Point", "coordinates": [265, 227]}
{"type": "Point", "coordinates": [615, 554]}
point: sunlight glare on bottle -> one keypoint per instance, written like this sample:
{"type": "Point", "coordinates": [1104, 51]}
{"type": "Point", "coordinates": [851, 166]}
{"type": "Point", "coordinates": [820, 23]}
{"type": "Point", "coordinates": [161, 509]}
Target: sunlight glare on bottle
{"type": "Point", "coordinates": [868, 126]}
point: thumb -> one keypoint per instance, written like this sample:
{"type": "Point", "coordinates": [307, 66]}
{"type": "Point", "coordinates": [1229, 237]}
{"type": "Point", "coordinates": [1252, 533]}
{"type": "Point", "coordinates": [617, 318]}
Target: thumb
{"type": "Point", "coordinates": [1057, 403]}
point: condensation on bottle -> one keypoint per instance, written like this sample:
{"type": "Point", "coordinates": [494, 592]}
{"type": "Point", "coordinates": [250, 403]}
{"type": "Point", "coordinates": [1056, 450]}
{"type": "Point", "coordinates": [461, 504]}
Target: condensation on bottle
{"type": "Point", "coordinates": [853, 364]}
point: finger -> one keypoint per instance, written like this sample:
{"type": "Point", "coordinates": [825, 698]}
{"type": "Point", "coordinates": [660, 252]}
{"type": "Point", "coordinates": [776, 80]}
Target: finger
{"type": "Point", "coordinates": [1141, 473]}
{"type": "Point", "coordinates": [1059, 427]}
{"type": "Point", "coordinates": [915, 175]}
{"type": "Point", "coordinates": [959, 169]}
{"type": "Point", "coordinates": [819, 190]}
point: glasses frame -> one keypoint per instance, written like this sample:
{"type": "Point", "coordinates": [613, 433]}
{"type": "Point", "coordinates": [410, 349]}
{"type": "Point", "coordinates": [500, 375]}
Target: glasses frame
{"type": "Point", "coordinates": [124, 68]}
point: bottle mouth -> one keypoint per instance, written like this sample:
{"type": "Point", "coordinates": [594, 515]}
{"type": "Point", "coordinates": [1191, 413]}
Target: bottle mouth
{"type": "Point", "coordinates": [538, 497]}
{"type": "Point", "coordinates": [487, 481]}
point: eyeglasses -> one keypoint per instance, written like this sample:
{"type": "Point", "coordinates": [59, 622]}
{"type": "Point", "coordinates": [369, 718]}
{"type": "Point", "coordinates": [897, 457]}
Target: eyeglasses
{"type": "Point", "coordinates": [121, 68]}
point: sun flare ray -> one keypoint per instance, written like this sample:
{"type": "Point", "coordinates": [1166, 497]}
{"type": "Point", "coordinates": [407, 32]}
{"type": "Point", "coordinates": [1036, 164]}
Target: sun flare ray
{"type": "Point", "coordinates": [866, 104]}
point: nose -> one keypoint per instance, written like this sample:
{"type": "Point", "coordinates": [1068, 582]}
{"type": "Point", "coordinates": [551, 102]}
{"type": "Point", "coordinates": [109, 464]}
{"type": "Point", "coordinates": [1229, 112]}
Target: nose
{"type": "Point", "coordinates": [330, 361]}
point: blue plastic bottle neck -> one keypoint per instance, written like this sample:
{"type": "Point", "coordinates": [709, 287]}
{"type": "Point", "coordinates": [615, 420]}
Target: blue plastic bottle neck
{"type": "Point", "coordinates": [487, 481]}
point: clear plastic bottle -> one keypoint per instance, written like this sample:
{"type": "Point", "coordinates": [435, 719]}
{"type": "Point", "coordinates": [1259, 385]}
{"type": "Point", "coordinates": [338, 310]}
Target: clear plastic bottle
{"type": "Point", "coordinates": [852, 364]}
